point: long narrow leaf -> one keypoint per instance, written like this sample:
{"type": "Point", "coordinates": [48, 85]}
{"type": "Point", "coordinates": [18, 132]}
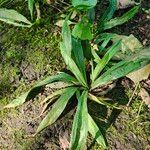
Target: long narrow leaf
{"type": "Point", "coordinates": [78, 55]}
{"type": "Point", "coordinates": [72, 66]}
{"type": "Point", "coordinates": [66, 36]}
{"type": "Point", "coordinates": [30, 7]}
{"type": "Point", "coordinates": [95, 132]}
{"type": "Point", "coordinates": [60, 77]}
{"type": "Point", "coordinates": [13, 17]}
{"type": "Point", "coordinates": [97, 59]}
{"type": "Point", "coordinates": [109, 11]}
{"type": "Point", "coordinates": [101, 101]}
{"type": "Point", "coordinates": [119, 70]}
{"type": "Point", "coordinates": [104, 44]}
{"type": "Point", "coordinates": [120, 20]}
{"type": "Point", "coordinates": [14, 23]}
{"type": "Point", "coordinates": [80, 129]}
{"type": "Point", "coordinates": [103, 62]}
{"type": "Point", "coordinates": [54, 94]}
{"type": "Point", "coordinates": [57, 109]}
{"type": "Point", "coordinates": [103, 37]}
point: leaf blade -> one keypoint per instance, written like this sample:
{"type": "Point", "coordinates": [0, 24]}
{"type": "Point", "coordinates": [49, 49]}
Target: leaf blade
{"type": "Point", "coordinates": [84, 5]}
{"type": "Point", "coordinates": [95, 132]}
{"type": "Point", "coordinates": [101, 101]}
{"type": "Point", "coordinates": [103, 62]}
{"type": "Point", "coordinates": [120, 20]}
{"type": "Point", "coordinates": [53, 95]}
{"type": "Point", "coordinates": [66, 36]}
{"type": "Point", "coordinates": [13, 17]}
{"type": "Point", "coordinates": [30, 7]}
{"type": "Point", "coordinates": [57, 109]}
{"type": "Point", "coordinates": [108, 14]}
{"type": "Point", "coordinates": [72, 66]}
{"type": "Point", "coordinates": [79, 56]}
{"type": "Point", "coordinates": [20, 100]}
{"type": "Point", "coordinates": [82, 30]}
{"type": "Point", "coordinates": [119, 70]}
{"type": "Point", "coordinates": [79, 129]}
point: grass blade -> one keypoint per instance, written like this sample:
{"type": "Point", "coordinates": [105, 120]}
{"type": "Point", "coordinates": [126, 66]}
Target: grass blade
{"type": "Point", "coordinates": [57, 109]}
{"type": "Point", "coordinates": [95, 132]}
{"type": "Point", "coordinates": [60, 77]}
{"type": "Point", "coordinates": [80, 129]}
{"type": "Point", "coordinates": [103, 62]}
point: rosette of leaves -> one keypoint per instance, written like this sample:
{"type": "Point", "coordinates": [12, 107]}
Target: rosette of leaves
{"type": "Point", "coordinates": [79, 86]}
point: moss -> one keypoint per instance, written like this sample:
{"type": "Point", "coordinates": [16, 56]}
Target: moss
{"type": "Point", "coordinates": [37, 47]}
{"type": "Point", "coordinates": [131, 128]}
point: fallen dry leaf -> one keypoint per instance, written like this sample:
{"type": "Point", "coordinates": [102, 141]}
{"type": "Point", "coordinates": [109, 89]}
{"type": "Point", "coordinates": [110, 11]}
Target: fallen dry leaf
{"type": "Point", "coordinates": [145, 97]}
{"type": "Point", "coordinates": [121, 4]}
{"type": "Point", "coordinates": [63, 141]}
{"type": "Point", "coordinates": [140, 74]}
{"type": "Point", "coordinates": [128, 43]}
{"type": "Point", "coordinates": [60, 22]}
{"type": "Point", "coordinates": [49, 1]}
{"type": "Point", "coordinates": [74, 14]}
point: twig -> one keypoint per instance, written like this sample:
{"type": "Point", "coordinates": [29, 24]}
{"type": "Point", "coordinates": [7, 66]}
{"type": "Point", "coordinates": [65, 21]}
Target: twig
{"type": "Point", "coordinates": [136, 87]}
{"type": "Point", "coordinates": [37, 6]}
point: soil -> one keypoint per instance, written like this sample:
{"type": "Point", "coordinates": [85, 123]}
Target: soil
{"type": "Point", "coordinates": [27, 57]}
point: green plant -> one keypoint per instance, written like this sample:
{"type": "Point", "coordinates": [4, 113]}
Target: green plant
{"type": "Point", "coordinates": [11, 16]}
{"type": "Point", "coordinates": [77, 83]}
